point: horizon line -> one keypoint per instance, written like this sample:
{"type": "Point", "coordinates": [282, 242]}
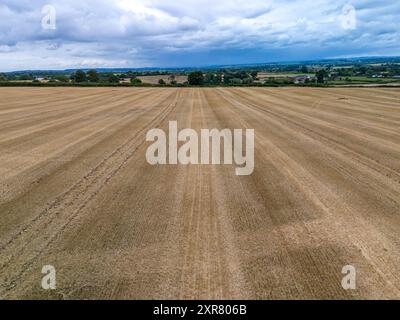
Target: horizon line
{"type": "Point", "coordinates": [208, 66]}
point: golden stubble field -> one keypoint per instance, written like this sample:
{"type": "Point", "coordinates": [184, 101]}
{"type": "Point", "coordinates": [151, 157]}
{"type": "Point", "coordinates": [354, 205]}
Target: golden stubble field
{"type": "Point", "coordinates": [76, 192]}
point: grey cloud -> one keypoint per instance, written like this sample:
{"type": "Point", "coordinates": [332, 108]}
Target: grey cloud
{"type": "Point", "coordinates": [142, 32]}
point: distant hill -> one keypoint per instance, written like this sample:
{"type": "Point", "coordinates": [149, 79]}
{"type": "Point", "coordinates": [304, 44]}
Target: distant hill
{"type": "Point", "coordinates": [333, 61]}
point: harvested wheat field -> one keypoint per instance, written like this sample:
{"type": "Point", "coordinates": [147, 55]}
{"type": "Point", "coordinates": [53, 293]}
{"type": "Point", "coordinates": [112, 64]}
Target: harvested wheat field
{"type": "Point", "coordinates": [77, 193]}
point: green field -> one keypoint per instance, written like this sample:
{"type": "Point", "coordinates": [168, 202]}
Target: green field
{"type": "Point", "coordinates": [364, 80]}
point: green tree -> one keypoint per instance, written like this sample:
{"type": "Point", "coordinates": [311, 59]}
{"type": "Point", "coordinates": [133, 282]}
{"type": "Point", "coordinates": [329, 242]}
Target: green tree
{"type": "Point", "coordinates": [248, 80]}
{"type": "Point", "coordinates": [213, 78]}
{"type": "Point", "coordinates": [93, 76]}
{"type": "Point", "coordinates": [240, 75]}
{"type": "Point", "coordinates": [161, 81]}
{"type": "Point", "coordinates": [196, 78]}
{"type": "Point", "coordinates": [113, 78]}
{"type": "Point", "coordinates": [136, 81]}
{"type": "Point", "coordinates": [80, 76]}
{"type": "Point", "coordinates": [227, 78]}
{"type": "Point", "coordinates": [235, 81]}
{"type": "Point", "coordinates": [26, 76]}
{"type": "Point", "coordinates": [3, 77]}
{"type": "Point", "coordinates": [254, 74]}
{"type": "Point", "coordinates": [304, 69]}
{"type": "Point", "coordinates": [61, 78]}
{"type": "Point", "coordinates": [321, 75]}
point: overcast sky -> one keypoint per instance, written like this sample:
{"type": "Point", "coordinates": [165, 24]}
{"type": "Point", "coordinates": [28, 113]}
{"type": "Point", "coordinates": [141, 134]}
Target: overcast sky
{"type": "Point", "coordinates": [162, 33]}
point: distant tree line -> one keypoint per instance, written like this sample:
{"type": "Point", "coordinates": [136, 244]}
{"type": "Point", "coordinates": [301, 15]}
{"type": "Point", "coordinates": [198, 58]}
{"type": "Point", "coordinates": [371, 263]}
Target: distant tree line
{"type": "Point", "coordinates": [280, 74]}
{"type": "Point", "coordinates": [224, 77]}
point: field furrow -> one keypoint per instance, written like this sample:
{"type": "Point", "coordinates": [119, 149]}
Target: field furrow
{"type": "Point", "coordinates": [77, 192]}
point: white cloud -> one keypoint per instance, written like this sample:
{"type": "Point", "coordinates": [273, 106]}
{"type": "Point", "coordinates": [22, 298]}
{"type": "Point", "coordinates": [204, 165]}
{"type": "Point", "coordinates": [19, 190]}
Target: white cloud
{"type": "Point", "coordinates": [149, 32]}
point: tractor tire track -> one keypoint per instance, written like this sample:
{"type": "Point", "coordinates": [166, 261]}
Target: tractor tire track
{"type": "Point", "coordinates": [22, 250]}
